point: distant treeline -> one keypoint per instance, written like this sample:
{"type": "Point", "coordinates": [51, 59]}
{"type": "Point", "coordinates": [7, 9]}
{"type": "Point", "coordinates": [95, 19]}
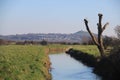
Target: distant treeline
{"type": "Point", "coordinates": [108, 41]}
{"type": "Point", "coordinates": [6, 42]}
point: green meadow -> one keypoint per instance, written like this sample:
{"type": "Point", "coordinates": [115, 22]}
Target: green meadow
{"type": "Point", "coordinates": [23, 62]}
{"type": "Point", "coordinates": [31, 62]}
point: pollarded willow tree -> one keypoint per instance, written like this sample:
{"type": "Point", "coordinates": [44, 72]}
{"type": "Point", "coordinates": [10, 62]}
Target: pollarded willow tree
{"type": "Point", "coordinates": [98, 41]}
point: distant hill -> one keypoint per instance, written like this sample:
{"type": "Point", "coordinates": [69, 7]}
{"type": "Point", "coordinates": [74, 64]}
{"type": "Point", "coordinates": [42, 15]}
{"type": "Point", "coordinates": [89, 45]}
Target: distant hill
{"type": "Point", "coordinates": [50, 37]}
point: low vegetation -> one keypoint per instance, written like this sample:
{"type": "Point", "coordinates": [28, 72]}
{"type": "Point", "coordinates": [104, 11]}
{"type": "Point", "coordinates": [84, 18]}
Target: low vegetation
{"type": "Point", "coordinates": [18, 62]}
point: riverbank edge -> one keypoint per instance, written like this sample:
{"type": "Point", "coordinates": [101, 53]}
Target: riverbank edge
{"type": "Point", "coordinates": [108, 68]}
{"type": "Point", "coordinates": [47, 65]}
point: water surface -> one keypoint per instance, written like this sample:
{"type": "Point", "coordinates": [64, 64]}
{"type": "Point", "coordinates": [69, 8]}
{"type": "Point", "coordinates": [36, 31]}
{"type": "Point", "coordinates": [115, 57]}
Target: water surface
{"type": "Point", "coordinates": [66, 68]}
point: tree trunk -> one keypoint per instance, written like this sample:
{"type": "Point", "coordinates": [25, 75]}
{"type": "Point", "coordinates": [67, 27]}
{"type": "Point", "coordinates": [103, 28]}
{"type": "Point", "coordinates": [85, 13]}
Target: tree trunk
{"type": "Point", "coordinates": [101, 50]}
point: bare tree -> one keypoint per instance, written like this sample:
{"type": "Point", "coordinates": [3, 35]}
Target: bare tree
{"type": "Point", "coordinates": [117, 30]}
{"type": "Point", "coordinates": [98, 41]}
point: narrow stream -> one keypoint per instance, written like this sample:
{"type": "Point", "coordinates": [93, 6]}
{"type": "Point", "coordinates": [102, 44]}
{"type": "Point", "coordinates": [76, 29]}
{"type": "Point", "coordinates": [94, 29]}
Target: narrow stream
{"type": "Point", "coordinates": [66, 68]}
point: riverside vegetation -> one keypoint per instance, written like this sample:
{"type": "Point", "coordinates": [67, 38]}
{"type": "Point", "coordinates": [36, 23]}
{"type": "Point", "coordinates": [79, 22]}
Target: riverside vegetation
{"type": "Point", "coordinates": [31, 62]}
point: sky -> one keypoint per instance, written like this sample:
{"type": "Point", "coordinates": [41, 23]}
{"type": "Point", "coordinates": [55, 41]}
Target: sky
{"type": "Point", "coordinates": [57, 16]}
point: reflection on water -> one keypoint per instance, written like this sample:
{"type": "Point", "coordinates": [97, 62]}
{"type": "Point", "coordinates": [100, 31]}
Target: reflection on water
{"type": "Point", "coordinates": [66, 68]}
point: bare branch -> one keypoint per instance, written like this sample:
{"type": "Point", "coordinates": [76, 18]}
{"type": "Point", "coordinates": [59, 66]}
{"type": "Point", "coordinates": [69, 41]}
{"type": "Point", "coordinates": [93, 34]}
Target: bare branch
{"type": "Point", "coordinates": [104, 27]}
{"type": "Point", "coordinates": [93, 37]}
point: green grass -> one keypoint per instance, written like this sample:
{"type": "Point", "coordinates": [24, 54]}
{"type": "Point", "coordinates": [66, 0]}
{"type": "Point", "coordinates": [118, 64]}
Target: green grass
{"type": "Point", "coordinates": [23, 63]}
{"type": "Point", "coordinates": [58, 48]}
{"type": "Point", "coordinates": [90, 49]}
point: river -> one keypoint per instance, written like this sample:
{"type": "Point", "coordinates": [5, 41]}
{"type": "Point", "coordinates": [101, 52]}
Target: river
{"type": "Point", "coordinates": [64, 67]}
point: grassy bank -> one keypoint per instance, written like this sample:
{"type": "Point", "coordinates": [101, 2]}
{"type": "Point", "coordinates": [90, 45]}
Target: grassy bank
{"type": "Point", "coordinates": [58, 48]}
{"type": "Point", "coordinates": [18, 62]}
{"type": "Point", "coordinates": [91, 49]}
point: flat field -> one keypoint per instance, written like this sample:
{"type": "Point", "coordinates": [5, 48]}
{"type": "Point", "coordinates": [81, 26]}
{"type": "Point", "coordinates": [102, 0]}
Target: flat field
{"type": "Point", "coordinates": [23, 62]}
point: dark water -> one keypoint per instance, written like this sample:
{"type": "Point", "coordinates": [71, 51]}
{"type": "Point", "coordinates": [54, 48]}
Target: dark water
{"type": "Point", "coordinates": [66, 68]}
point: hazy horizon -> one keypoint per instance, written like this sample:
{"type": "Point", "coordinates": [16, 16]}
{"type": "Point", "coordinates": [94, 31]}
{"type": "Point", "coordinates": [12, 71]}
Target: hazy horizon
{"type": "Point", "coordinates": [41, 33]}
{"type": "Point", "coordinates": [56, 16]}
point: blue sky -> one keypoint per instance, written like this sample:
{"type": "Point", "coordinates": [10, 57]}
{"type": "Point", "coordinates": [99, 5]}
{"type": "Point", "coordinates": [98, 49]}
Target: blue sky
{"type": "Point", "coordinates": [56, 16]}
